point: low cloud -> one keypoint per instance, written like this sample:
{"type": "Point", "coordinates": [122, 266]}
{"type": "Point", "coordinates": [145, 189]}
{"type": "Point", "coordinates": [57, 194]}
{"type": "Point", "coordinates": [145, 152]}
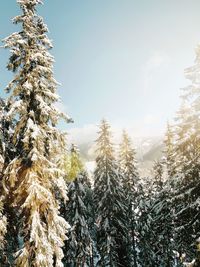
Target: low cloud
{"type": "Point", "coordinates": [144, 128]}
{"type": "Point", "coordinates": [87, 133]}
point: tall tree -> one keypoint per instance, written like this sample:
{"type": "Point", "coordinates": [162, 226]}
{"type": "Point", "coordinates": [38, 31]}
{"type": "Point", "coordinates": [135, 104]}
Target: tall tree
{"type": "Point", "coordinates": [79, 246]}
{"type": "Point", "coordinates": [169, 152]}
{"type": "Point", "coordinates": [155, 223]}
{"type": "Point", "coordinates": [128, 164]}
{"type": "Point", "coordinates": [186, 195]}
{"type": "Point", "coordinates": [144, 224]}
{"type": "Point", "coordinates": [8, 152]}
{"type": "Point", "coordinates": [32, 176]}
{"type": "Point", "coordinates": [186, 149]}
{"type": "Point", "coordinates": [158, 179]}
{"type": "Point", "coordinates": [112, 232]}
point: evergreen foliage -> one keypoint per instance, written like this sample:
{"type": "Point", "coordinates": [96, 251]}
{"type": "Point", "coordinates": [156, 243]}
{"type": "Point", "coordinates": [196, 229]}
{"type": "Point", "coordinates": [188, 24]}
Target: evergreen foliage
{"type": "Point", "coordinates": [155, 224]}
{"type": "Point", "coordinates": [158, 179]}
{"type": "Point", "coordinates": [128, 165]}
{"type": "Point", "coordinates": [31, 177]}
{"type": "Point", "coordinates": [169, 152]}
{"type": "Point", "coordinates": [186, 195]}
{"type": "Point", "coordinates": [112, 230]}
{"type": "Point", "coordinates": [78, 248]}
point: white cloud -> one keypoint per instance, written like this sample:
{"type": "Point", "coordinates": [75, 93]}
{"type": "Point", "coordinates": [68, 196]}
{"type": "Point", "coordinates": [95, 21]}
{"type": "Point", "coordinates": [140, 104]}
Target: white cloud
{"type": "Point", "coordinates": [148, 126]}
{"type": "Point", "coordinates": [87, 133]}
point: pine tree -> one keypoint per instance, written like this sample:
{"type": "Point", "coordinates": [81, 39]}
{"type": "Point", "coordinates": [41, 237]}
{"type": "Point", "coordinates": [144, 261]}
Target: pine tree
{"type": "Point", "coordinates": [158, 178]}
{"type": "Point", "coordinates": [76, 165]}
{"type": "Point", "coordinates": [146, 219]}
{"type": "Point", "coordinates": [169, 152]}
{"type": "Point", "coordinates": [90, 208]}
{"type": "Point", "coordinates": [78, 247]}
{"type": "Point", "coordinates": [32, 176]}
{"type": "Point", "coordinates": [112, 232]}
{"type": "Point", "coordinates": [130, 176]}
{"type": "Point", "coordinates": [155, 223]}
{"type": "Point", "coordinates": [7, 154]}
{"type": "Point", "coordinates": [186, 196]}
{"type": "Point", "coordinates": [186, 145]}
{"type": "Point", "coordinates": [144, 224]}
{"type": "Point", "coordinates": [187, 230]}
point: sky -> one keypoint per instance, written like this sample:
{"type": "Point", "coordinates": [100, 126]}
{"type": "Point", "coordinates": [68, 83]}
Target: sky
{"type": "Point", "coordinates": [119, 59]}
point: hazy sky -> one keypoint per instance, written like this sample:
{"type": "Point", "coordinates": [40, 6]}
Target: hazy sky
{"type": "Point", "coordinates": [119, 59]}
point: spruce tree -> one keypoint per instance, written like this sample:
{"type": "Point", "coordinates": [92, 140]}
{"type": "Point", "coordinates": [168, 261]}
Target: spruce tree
{"type": "Point", "coordinates": [144, 224]}
{"type": "Point", "coordinates": [32, 176]}
{"type": "Point", "coordinates": [186, 196]}
{"type": "Point", "coordinates": [169, 152]}
{"type": "Point", "coordinates": [79, 246]}
{"type": "Point", "coordinates": [7, 154]}
{"type": "Point", "coordinates": [155, 223]}
{"type": "Point", "coordinates": [158, 178]}
{"type": "Point", "coordinates": [186, 145]}
{"type": "Point", "coordinates": [187, 230]}
{"type": "Point", "coordinates": [112, 230]}
{"type": "Point", "coordinates": [130, 177]}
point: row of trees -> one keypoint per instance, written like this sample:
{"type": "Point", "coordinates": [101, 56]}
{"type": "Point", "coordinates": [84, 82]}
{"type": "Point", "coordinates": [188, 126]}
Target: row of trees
{"type": "Point", "coordinates": [153, 221]}
{"type": "Point", "coordinates": [171, 212]}
{"type": "Point", "coordinates": [102, 215]}
{"type": "Point", "coordinates": [127, 220]}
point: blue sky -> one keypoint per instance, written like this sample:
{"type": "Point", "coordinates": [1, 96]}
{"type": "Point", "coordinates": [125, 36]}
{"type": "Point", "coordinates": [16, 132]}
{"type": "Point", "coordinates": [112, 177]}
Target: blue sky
{"type": "Point", "coordinates": [119, 59]}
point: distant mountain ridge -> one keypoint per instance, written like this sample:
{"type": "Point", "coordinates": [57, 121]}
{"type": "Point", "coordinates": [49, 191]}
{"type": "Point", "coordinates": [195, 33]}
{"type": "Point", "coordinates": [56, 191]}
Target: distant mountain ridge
{"type": "Point", "coordinates": [148, 150]}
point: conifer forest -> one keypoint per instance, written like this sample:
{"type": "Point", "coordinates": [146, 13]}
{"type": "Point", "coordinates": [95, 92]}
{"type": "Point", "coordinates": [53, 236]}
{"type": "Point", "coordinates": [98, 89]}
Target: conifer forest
{"type": "Point", "coordinates": [53, 212]}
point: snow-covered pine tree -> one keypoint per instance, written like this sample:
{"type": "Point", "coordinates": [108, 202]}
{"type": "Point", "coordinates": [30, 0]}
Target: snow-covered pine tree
{"type": "Point", "coordinates": [185, 147]}
{"type": "Point", "coordinates": [155, 224]}
{"type": "Point", "coordinates": [144, 221]}
{"type": "Point", "coordinates": [192, 96]}
{"type": "Point", "coordinates": [192, 119]}
{"type": "Point", "coordinates": [79, 246]}
{"type": "Point", "coordinates": [186, 205]}
{"type": "Point", "coordinates": [76, 165]}
{"type": "Point", "coordinates": [148, 192]}
{"type": "Point", "coordinates": [112, 228]}
{"type": "Point", "coordinates": [32, 176]}
{"type": "Point", "coordinates": [128, 165]}
{"type": "Point", "coordinates": [7, 153]}
{"type": "Point", "coordinates": [90, 208]}
{"type": "Point", "coordinates": [169, 152]}
{"type": "Point", "coordinates": [7, 149]}
{"type": "Point", "coordinates": [158, 179]}
{"type": "Point", "coordinates": [186, 199]}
